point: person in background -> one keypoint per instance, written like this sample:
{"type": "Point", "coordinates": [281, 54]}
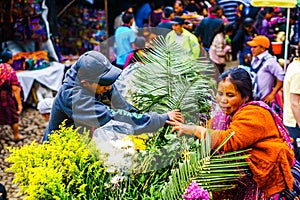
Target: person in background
{"type": "Point", "coordinates": [124, 38]}
{"type": "Point", "coordinates": [44, 107]}
{"type": "Point", "coordinates": [184, 38]}
{"type": "Point", "coordinates": [142, 13]}
{"type": "Point", "coordinates": [291, 106]}
{"type": "Point", "coordinates": [267, 74]}
{"type": "Point", "coordinates": [156, 14]}
{"type": "Point", "coordinates": [140, 43]}
{"type": "Point", "coordinates": [230, 8]}
{"type": "Point", "coordinates": [179, 8]}
{"type": "Point", "coordinates": [89, 99]}
{"type": "Point", "coordinates": [196, 6]}
{"type": "Point", "coordinates": [239, 42]}
{"type": "Point", "coordinates": [167, 17]}
{"type": "Point", "coordinates": [10, 95]}
{"type": "Point", "coordinates": [209, 26]}
{"type": "Point", "coordinates": [262, 25]}
{"type": "Point", "coordinates": [219, 48]}
{"type": "Point", "coordinates": [119, 21]}
{"type": "Point", "coordinates": [256, 128]}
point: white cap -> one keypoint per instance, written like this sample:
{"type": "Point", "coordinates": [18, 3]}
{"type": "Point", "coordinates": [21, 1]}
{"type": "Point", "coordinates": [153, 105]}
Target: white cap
{"type": "Point", "coordinates": [45, 105]}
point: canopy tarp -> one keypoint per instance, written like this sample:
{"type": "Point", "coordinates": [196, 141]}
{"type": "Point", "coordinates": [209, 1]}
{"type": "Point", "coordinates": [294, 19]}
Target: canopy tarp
{"type": "Point", "coordinates": [274, 3]}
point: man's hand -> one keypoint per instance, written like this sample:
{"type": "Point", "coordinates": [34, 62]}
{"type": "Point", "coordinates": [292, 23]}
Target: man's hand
{"type": "Point", "coordinates": [269, 98]}
{"type": "Point", "coordinates": [176, 116]}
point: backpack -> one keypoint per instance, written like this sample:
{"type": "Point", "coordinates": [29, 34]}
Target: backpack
{"type": "Point", "coordinates": [276, 104]}
{"type": "Point", "coordinates": [253, 73]}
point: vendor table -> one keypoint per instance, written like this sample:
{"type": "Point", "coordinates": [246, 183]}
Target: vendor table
{"type": "Point", "coordinates": [51, 77]}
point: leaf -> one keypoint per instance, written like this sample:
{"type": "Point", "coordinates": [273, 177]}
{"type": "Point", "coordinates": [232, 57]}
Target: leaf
{"type": "Point", "coordinates": [169, 80]}
{"type": "Point", "coordinates": [214, 172]}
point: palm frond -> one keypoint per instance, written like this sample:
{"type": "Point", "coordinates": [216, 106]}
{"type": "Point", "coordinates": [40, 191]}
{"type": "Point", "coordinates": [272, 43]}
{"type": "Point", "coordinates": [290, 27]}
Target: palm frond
{"type": "Point", "coordinates": [211, 171]}
{"type": "Point", "coordinates": [170, 80]}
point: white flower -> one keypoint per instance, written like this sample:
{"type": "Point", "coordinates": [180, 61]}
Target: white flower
{"type": "Point", "coordinates": [129, 151]}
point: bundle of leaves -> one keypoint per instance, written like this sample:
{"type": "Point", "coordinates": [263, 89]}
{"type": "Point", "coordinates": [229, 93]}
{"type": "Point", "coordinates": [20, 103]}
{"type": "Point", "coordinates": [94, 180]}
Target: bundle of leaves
{"type": "Point", "coordinates": [170, 80]}
{"type": "Point", "coordinates": [209, 169]}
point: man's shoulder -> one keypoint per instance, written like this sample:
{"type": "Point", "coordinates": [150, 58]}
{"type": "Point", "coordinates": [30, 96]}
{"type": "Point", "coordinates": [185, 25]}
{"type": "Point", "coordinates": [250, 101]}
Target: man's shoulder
{"type": "Point", "coordinates": [122, 29]}
{"type": "Point", "coordinates": [171, 33]}
{"type": "Point", "coordinates": [269, 59]}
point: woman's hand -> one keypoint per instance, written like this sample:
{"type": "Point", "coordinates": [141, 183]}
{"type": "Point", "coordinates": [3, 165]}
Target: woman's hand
{"type": "Point", "coordinates": [20, 108]}
{"type": "Point", "coordinates": [192, 130]}
{"type": "Point", "coordinates": [176, 116]}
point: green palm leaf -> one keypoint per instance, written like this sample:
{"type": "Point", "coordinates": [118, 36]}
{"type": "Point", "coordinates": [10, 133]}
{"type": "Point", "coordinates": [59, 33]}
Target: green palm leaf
{"type": "Point", "coordinates": [170, 80]}
{"type": "Point", "coordinates": [214, 172]}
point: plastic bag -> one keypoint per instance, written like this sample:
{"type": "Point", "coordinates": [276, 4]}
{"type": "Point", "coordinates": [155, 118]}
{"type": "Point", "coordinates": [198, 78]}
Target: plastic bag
{"type": "Point", "coordinates": [114, 151]}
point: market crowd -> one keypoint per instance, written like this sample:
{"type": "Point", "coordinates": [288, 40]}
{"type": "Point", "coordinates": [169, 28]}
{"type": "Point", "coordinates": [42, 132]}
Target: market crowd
{"type": "Point", "coordinates": [260, 99]}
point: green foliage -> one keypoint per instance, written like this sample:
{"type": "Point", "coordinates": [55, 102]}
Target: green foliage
{"type": "Point", "coordinates": [62, 169]}
{"type": "Point", "coordinates": [213, 172]}
{"type": "Point", "coordinates": [69, 166]}
{"type": "Point", "coordinates": [152, 169]}
{"type": "Point", "coordinates": [169, 80]}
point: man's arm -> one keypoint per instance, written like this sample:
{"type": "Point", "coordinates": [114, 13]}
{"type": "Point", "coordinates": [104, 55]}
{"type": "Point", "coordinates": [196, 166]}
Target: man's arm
{"type": "Point", "coordinates": [295, 104]}
{"type": "Point", "coordinates": [271, 96]}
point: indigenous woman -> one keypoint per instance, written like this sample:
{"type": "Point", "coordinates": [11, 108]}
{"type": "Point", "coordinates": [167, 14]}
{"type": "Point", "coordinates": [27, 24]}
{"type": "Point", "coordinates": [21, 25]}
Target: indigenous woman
{"type": "Point", "coordinates": [257, 128]}
{"type": "Point", "coordinates": [10, 100]}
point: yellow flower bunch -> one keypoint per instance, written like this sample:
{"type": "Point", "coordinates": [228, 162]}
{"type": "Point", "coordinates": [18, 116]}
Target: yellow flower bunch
{"type": "Point", "coordinates": [138, 140]}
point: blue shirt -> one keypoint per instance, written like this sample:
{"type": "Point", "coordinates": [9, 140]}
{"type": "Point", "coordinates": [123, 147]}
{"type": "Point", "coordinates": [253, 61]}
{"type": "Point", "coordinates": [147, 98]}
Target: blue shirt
{"type": "Point", "coordinates": [124, 36]}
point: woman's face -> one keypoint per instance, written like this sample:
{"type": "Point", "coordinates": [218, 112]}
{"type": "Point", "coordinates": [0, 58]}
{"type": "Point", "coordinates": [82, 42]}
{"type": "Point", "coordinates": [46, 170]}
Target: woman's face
{"type": "Point", "coordinates": [228, 97]}
{"type": "Point", "coordinates": [269, 15]}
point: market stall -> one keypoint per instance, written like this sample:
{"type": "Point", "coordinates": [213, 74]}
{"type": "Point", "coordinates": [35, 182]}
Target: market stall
{"type": "Point", "coordinates": [51, 77]}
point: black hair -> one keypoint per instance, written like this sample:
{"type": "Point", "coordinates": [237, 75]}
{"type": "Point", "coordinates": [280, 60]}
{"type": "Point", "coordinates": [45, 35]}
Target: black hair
{"type": "Point", "coordinates": [168, 11]}
{"type": "Point", "coordinates": [5, 56]}
{"type": "Point", "coordinates": [215, 8]}
{"type": "Point", "coordinates": [248, 22]}
{"type": "Point", "coordinates": [241, 79]}
{"type": "Point", "coordinates": [179, 2]}
{"type": "Point", "coordinates": [228, 27]}
{"type": "Point", "coordinates": [126, 17]}
{"type": "Point", "coordinates": [261, 15]}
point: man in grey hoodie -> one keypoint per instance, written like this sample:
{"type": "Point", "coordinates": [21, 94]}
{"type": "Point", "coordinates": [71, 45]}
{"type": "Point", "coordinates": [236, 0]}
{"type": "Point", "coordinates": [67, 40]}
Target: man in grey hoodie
{"type": "Point", "coordinates": [81, 99]}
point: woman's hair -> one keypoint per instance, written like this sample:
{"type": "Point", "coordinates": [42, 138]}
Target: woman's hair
{"type": "Point", "coordinates": [5, 56]}
{"type": "Point", "coordinates": [261, 15]}
{"type": "Point", "coordinates": [241, 79]}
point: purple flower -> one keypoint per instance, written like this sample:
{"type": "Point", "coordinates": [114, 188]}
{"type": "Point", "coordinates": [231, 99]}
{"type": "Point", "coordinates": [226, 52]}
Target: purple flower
{"type": "Point", "coordinates": [194, 192]}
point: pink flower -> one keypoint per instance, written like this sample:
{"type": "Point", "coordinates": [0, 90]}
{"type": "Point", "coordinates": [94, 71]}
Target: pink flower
{"type": "Point", "coordinates": [194, 192]}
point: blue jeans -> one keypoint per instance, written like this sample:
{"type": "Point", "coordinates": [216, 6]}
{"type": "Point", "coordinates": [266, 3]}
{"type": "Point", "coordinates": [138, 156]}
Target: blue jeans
{"type": "Point", "coordinates": [294, 132]}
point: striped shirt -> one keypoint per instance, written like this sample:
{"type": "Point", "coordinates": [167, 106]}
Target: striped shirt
{"type": "Point", "coordinates": [230, 8]}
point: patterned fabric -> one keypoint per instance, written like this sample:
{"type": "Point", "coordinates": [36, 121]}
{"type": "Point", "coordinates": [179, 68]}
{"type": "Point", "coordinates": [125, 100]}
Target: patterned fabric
{"type": "Point", "coordinates": [8, 109]}
{"type": "Point", "coordinates": [5, 72]}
